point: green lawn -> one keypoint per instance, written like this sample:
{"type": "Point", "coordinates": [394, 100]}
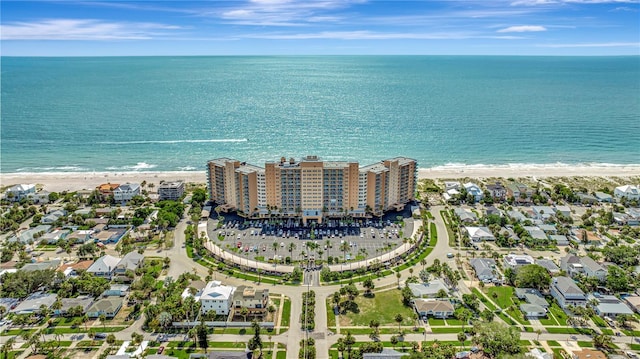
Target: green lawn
{"type": "Point", "coordinates": [229, 345]}
{"type": "Point", "coordinates": [436, 322]}
{"type": "Point", "coordinates": [383, 307]}
{"type": "Point", "coordinates": [447, 330]}
{"type": "Point", "coordinates": [599, 321]}
{"type": "Point", "coordinates": [570, 330]}
{"type": "Point", "coordinates": [518, 315]}
{"type": "Point", "coordinates": [502, 297]}
{"type": "Point", "coordinates": [281, 355]}
{"type": "Point", "coordinates": [286, 313]}
{"type": "Point", "coordinates": [553, 343]}
{"type": "Point", "coordinates": [331, 318]}
{"type": "Point", "coordinates": [583, 344]}
{"type": "Point", "coordinates": [483, 299]}
{"type": "Point", "coordinates": [631, 333]}
{"type": "Point", "coordinates": [558, 313]}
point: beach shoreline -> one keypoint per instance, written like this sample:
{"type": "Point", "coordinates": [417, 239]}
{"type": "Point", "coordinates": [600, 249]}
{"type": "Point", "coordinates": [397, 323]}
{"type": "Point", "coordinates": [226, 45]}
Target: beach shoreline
{"type": "Point", "coordinates": [75, 181]}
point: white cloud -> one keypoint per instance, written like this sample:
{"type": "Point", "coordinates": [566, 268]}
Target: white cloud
{"type": "Point", "coordinates": [601, 44]}
{"type": "Point", "coordinates": [371, 35]}
{"type": "Point", "coordinates": [82, 29]}
{"type": "Point", "coordinates": [523, 28]}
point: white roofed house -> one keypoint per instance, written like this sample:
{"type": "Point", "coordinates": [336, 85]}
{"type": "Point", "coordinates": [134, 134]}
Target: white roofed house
{"type": "Point", "coordinates": [125, 192]}
{"type": "Point", "coordinates": [104, 266]}
{"type": "Point", "coordinates": [474, 190]}
{"type": "Point", "coordinates": [629, 192]}
{"type": "Point", "coordinates": [429, 289]}
{"type": "Point", "coordinates": [216, 296]}
{"type": "Point", "coordinates": [33, 303]}
{"type": "Point", "coordinates": [480, 234]}
{"type": "Point", "coordinates": [19, 191]}
{"type": "Point", "coordinates": [515, 261]}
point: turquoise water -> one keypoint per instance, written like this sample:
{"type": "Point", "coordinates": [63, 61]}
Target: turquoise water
{"type": "Point", "coordinates": [175, 113]}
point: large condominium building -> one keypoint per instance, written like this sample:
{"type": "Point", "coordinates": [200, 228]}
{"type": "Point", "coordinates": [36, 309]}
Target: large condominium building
{"type": "Point", "coordinates": [311, 188]}
{"type": "Point", "coordinates": [171, 190]}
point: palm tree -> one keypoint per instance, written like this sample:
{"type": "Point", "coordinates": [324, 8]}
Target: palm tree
{"type": "Point", "coordinates": [398, 275]}
{"type": "Point", "coordinates": [291, 247]}
{"type": "Point", "coordinates": [344, 247]}
{"type": "Point", "coordinates": [103, 318]}
{"type": "Point", "coordinates": [399, 318]}
{"type": "Point", "coordinates": [423, 262]}
{"type": "Point", "coordinates": [461, 338]}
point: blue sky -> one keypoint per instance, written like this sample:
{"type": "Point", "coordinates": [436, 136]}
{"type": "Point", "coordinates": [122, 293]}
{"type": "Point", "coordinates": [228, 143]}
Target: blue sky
{"type": "Point", "coordinates": [310, 27]}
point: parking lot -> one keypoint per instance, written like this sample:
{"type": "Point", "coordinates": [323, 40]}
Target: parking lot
{"type": "Point", "coordinates": [363, 238]}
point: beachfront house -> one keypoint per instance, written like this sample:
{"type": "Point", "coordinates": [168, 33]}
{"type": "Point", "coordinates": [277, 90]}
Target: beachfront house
{"type": "Point", "coordinates": [474, 190]}
{"type": "Point", "coordinates": [105, 190]}
{"type": "Point", "coordinates": [565, 291]}
{"type": "Point", "coordinates": [125, 192]}
{"type": "Point", "coordinates": [497, 191]}
{"type": "Point", "coordinates": [18, 192]}
{"type": "Point", "coordinates": [519, 192]}
{"type": "Point", "coordinates": [629, 192]}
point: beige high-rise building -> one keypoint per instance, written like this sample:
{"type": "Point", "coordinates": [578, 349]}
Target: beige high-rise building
{"type": "Point", "coordinates": [311, 189]}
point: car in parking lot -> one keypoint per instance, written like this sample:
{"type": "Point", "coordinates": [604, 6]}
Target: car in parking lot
{"type": "Point", "coordinates": [239, 244]}
{"type": "Point", "coordinates": [161, 349]}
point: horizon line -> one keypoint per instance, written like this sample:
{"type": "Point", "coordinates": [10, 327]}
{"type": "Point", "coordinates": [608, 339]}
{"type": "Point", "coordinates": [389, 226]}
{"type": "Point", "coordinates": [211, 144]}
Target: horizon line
{"type": "Point", "coordinates": [331, 55]}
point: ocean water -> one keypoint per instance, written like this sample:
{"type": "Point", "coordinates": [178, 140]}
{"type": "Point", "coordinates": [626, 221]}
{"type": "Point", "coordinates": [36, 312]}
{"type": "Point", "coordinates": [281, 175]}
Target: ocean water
{"type": "Point", "coordinates": [175, 113]}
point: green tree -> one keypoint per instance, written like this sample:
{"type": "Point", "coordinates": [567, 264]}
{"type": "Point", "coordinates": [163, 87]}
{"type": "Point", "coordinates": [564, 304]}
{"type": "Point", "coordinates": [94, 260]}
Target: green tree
{"type": "Point", "coordinates": [398, 318]}
{"type": "Point", "coordinates": [202, 334]}
{"type": "Point", "coordinates": [602, 341]}
{"type": "Point", "coordinates": [256, 341]}
{"type": "Point", "coordinates": [617, 279]}
{"type": "Point", "coordinates": [461, 338]}
{"type": "Point", "coordinates": [496, 338]}
{"type": "Point", "coordinates": [368, 285]}
{"type": "Point", "coordinates": [532, 276]}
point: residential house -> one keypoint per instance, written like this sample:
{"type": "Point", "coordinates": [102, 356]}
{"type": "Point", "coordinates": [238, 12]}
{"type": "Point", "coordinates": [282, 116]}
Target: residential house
{"type": "Point", "coordinates": [536, 353]}
{"type": "Point", "coordinates": [548, 228]}
{"type": "Point", "coordinates": [452, 185]}
{"type": "Point", "coordinates": [83, 302]}
{"type": "Point", "coordinates": [104, 266]}
{"type": "Point", "coordinates": [30, 235]}
{"type": "Point", "coordinates": [256, 301]}
{"type": "Point", "coordinates": [429, 289]}
{"type": "Point", "coordinates": [116, 290]}
{"type": "Point", "coordinates": [450, 194]}
{"type": "Point", "coordinates": [567, 261]}
{"type": "Point", "coordinates": [593, 269]}
{"type": "Point", "coordinates": [532, 296]}
{"type": "Point", "coordinates": [125, 192]}
{"type": "Point", "coordinates": [549, 265]}
{"type": "Point", "coordinates": [629, 192]}
{"type": "Point", "coordinates": [542, 213]}
{"type": "Point", "coordinates": [106, 236]}
{"type": "Point", "coordinates": [515, 261]}
{"type": "Point", "coordinates": [565, 210]}
{"type": "Point", "coordinates": [18, 192]}
{"type": "Point", "coordinates": [633, 301]}
{"type": "Point", "coordinates": [603, 197]}
{"type": "Point", "coordinates": [517, 215]}
{"type": "Point", "coordinates": [130, 262]}
{"type": "Point", "coordinates": [474, 190]}
{"type": "Point", "coordinates": [54, 236]}
{"type": "Point", "coordinates": [80, 236]}
{"type": "Point", "coordinates": [479, 234]}
{"type": "Point", "coordinates": [497, 191]}
{"type": "Point", "coordinates": [608, 305]}
{"type": "Point", "coordinates": [533, 310]}
{"type": "Point", "coordinates": [73, 269]}
{"type": "Point", "coordinates": [433, 308]}
{"type": "Point", "coordinates": [492, 210]}
{"type": "Point", "coordinates": [216, 296]}
{"type": "Point", "coordinates": [41, 197]}
{"type": "Point", "coordinates": [559, 239]}
{"type": "Point", "coordinates": [105, 190]}
{"type": "Point", "coordinates": [53, 216]}
{"type": "Point", "coordinates": [171, 190]}
{"type": "Point", "coordinates": [33, 303]}
{"type": "Point", "coordinates": [536, 233]}
{"type": "Point", "coordinates": [109, 306]}
{"type": "Point", "coordinates": [52, 264]}
{"type": "Point", "coordinates": [485, 269]}
{"type": "Point", "coordinates": [465, 215]}
{"type": "Point", "coordinates": [520, 192]}
{"type": "Point", "coordinates": [586, 198]}
{"type": "Point", "coordinates": [566, 292]}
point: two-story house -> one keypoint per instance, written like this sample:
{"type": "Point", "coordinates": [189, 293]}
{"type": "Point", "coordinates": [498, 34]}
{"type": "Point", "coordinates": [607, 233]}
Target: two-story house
{"type": "Point", "coordinates": [593, 269]}
{"type": "Point", "coordinates": [130, 262]}
{"type": "Point", "coordinates": [474, 190]}
{"type": "Point", "coordinates": [567, 293]}
{"type": "Point", "coordinates": [125, 192]}
{"type": "Point", "coordinates": [20, 191]}
{"type": "Point", "coordinates": [629, 192]}
{"type": "Point", "coordinates": [217, 297]}
{"type": "Point", "coordinates": [256, 301]}
{"type": "Point", "coordinates": [520, 192]}
{"type": "Point", "coordinates": [497, 191]}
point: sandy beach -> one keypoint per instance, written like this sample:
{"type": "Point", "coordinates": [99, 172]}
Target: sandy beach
{"type": "Point", "coordinates": [72, 181]}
